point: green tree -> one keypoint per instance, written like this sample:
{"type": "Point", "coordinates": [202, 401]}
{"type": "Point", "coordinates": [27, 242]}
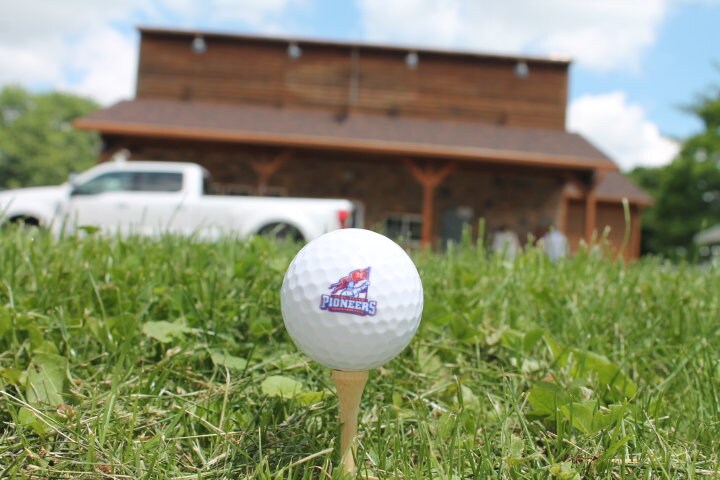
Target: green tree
{"type": "Point", "coordinates": [38, 145]}
{"type": "Point", "coordinates": [687, 191]}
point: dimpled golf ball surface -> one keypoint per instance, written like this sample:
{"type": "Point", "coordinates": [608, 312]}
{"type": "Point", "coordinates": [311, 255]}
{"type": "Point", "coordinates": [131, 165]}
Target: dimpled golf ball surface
{"type": "Point", "coordinates": [352, 299]}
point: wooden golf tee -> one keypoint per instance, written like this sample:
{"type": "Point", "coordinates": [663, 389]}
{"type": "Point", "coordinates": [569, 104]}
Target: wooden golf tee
{"type": "Point", "coordinates": [349, 386]}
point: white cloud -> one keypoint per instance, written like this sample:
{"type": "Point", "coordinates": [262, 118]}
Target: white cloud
{"type": "Point", "coordinates": [621, 130]}
{"type": "Point", "coordinates": [601, 35]}
{"type": "Point", "coordinates": [70, 46]}
{"type": "Point", "coordinates": [104, 63]}
{"type": "Point", "coordinates": [90, 47]}
{"type": "Point", "coordinates": [259, 15]}
{"type": "Point", "coordinates": [255, 13]}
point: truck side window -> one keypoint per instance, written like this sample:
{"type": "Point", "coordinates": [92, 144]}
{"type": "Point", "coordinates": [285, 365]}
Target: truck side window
{"type": "Point", "coordinates": [106, 182]}
{"type": "Point", "coordinates": [158, 182]}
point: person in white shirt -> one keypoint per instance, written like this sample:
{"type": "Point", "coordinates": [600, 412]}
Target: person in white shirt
{"type": "Point", "coordinates": [555, 244]}
{"type": "Point", "coordinates": [506, 243]}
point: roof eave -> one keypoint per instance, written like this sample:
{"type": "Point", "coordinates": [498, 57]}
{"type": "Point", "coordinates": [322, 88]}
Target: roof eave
{"type": "Point", "coordinates": [635, 200]}
{"type": "Point", "coordinates": [640, 201]}
{"type": "Point", "coordinates": [344, 144]}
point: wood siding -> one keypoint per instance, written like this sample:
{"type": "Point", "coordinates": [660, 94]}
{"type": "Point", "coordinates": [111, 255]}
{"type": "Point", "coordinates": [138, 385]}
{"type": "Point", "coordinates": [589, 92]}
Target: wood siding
{"type": "Point", "coordinates": [610, 225]}
{"type": "Point", "coordinates": [346, 79]}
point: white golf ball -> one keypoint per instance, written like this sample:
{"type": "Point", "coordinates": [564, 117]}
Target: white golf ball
{"type": "Point", "coordinates": [352, 299]}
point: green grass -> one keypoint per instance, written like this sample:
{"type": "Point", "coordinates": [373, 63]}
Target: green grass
{"type": "Point", "coordinates": [168, 359]}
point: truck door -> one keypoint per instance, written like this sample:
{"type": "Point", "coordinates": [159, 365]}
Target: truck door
{"type": "Point", "coordinates": [99, 202]}
{"type": "Point", "coordinates": [158, 203]}
{"type": "Point", "coordinates": [129, 202]}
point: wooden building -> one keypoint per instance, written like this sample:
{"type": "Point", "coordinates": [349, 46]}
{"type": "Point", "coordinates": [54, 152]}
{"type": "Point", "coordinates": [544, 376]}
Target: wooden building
{"type": "Point", "coordinates": [425, 140]}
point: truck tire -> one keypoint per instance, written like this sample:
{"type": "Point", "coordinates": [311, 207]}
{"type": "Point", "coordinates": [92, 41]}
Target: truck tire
{"type": "Point", "coordinates": [282, 231]}
{"type": "Point", "coordinates": [27, 222]}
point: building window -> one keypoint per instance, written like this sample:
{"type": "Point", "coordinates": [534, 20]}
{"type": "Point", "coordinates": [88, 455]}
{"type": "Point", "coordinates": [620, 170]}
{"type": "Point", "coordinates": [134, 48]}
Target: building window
{"type": "Point", "coordinates": [403, 227]}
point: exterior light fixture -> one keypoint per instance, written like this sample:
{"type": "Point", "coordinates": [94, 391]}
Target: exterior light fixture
{"type": "Point", "coordinates": [294, 51]}
{"type": "Point", "coordinates": [411, 60]}
{"type": "Point", "coordinates": [198, 45]}
{"type": "Point", "coordinates": [521, 69]}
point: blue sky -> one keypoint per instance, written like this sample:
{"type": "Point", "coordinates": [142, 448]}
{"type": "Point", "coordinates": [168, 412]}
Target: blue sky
{"type": "Point", "coordinates": [678, 67]}
{"type": "Point", "coordinates": [635, 63]}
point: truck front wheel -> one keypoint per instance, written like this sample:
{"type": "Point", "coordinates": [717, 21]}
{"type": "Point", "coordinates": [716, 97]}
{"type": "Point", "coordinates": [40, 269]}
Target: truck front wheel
{"type": "Point", "coordinates": [281, 231]}
{"type": "Point", "coordinates": [29, 222]}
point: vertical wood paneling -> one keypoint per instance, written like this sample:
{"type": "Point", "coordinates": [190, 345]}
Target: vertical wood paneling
{"type": "Point", "coordinates": [374, 80]}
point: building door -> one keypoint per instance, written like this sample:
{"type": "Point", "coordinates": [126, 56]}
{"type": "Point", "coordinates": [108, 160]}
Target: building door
{"type": "Point", "coordinates": [454, 221]}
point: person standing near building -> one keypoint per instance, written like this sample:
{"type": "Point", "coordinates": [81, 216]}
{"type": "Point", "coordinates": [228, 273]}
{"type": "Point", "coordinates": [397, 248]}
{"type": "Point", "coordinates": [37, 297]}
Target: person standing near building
{"type": "Point", "coordinates": [555, 244]}
{"type": "Point", "coordinates": [506, 243]}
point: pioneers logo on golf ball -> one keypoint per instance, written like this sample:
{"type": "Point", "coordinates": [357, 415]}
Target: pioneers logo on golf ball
{"type": "Point", "coordinates": [350, 295]}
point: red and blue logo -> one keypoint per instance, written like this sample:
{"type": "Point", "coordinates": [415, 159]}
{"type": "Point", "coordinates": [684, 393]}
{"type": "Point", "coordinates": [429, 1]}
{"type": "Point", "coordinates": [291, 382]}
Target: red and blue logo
{"type": "Point", "coordinates": [350, 295]}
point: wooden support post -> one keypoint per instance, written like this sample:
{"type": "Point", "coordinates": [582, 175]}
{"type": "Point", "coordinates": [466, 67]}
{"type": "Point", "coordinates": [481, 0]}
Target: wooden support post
{"type": "Point", "coordinates": [590, 214]}
{"type": "Point", "coordinates": [591, 205]}
{"type": "Point", "coordinates": [429, 177]}
{"type": "Point", "coordinates": [635, 232]}
{"type": "Point", "coordinates": [562, 215]}
{"type": "Point", "coordinates": [265, 169]}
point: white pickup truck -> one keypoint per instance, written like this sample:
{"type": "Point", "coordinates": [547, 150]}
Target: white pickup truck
{"type": "Point", "coordinates": [151, 198]}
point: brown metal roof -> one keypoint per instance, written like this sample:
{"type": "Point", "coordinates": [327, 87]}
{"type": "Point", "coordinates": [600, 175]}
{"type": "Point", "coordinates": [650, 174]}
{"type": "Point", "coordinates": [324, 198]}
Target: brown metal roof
{"type": "Point", "coordinates": [613, 187]}
{"type": "Point", "coordinates": [410, 137]}
{"type": "Point", "coordinates": [616, 186]}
